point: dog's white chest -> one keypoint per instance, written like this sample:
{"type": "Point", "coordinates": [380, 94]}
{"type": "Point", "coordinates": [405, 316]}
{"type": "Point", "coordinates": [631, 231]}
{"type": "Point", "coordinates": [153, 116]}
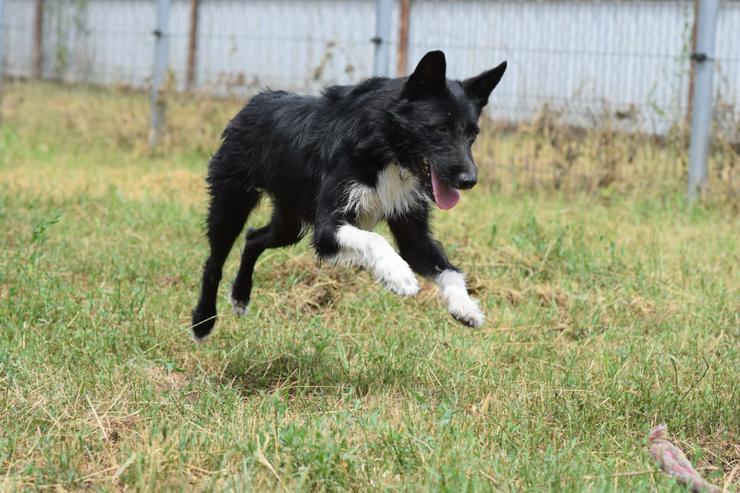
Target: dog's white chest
{"type": "Point", "coordinates": [396, 192]}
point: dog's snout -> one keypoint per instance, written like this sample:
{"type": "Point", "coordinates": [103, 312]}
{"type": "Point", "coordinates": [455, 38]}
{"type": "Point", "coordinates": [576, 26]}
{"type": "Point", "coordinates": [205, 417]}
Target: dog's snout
{"type": "Point", "coordinates": [466, 180]}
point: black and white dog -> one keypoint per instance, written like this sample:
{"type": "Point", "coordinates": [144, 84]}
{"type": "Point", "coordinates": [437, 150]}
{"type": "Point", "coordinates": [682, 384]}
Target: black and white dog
{"type": "Point", "coordinates": [385, 149]}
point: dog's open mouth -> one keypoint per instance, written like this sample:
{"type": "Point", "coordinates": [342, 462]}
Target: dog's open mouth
{"type": "Point", "coordinates": [445, 196]}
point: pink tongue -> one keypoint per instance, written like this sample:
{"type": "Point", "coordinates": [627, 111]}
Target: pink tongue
{"type": "Point", "coordinates": [445, 197]}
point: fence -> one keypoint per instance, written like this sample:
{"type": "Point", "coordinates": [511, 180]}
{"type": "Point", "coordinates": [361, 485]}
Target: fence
{"type": "Point", "coordinates": [584, 57]}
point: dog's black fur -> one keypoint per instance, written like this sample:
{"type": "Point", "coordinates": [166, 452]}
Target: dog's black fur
{"type": "Point", "coordinates": [304, 151]}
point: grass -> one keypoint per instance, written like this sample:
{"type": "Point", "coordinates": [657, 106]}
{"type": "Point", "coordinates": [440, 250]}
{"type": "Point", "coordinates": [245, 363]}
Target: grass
{"type": "Point", "coordinates": [608, 312]}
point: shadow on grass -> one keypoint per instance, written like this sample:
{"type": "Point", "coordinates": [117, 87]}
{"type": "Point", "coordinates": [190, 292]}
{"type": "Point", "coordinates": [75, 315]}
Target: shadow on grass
{"type": "Point", "coordinates": [310, 373]}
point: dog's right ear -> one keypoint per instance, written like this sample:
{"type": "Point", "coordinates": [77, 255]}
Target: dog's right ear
{"type": "Point", "coordinates": [428, 76]}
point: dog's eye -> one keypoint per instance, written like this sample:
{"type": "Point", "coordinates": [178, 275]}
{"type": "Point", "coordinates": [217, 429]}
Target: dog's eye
{"type": "Point", "coordinates": [443, 129]}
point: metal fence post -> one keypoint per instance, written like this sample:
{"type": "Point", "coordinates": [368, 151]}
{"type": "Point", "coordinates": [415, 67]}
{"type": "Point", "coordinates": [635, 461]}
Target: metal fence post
{"type": "Point", "coordinates": [701, 114]}
{"type": "Point", "coordinates": [383, 13]}
{"type": "Point", "coordinates": [2, 54]}
{"type": "Point", "coordinates": [159, 72]}
{"type": "Point", "coordinates": [2, 41]}
{"type": "Point", "coordinates": [38, 39]}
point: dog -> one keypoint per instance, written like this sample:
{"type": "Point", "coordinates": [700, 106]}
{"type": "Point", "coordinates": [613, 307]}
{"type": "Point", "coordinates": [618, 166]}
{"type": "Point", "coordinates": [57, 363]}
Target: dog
{"type": "Point", "coordinates": [336, 165]}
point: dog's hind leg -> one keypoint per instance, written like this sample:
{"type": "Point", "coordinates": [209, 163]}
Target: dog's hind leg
{"type": "Point", "coordinates": [227, 213]}
{"type": "Point", "coordinates": [283, 230]}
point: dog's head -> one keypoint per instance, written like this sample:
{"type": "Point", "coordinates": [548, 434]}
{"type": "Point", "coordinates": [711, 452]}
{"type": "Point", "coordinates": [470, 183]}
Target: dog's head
{"type": "Point", "coordinates": [435, 123]}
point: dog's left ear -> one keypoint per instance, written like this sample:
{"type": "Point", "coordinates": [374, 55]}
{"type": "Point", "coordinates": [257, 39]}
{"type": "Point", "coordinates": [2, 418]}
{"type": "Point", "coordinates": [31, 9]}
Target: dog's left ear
{"type": "Point", "coordinates": [479, 88]}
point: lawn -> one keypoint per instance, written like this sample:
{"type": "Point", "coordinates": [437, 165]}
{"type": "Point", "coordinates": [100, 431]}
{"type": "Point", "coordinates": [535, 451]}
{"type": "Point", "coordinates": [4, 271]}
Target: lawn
{"type": "Point", "coordinates": [609, 310]}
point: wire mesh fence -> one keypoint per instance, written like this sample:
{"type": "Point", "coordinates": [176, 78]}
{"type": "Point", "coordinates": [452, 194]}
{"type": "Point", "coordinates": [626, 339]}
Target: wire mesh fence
{"type": "Point", "coordinates": [585, 61]}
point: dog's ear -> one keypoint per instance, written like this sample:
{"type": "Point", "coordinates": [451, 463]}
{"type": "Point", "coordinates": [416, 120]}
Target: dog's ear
{"type": "Point", "coordinates": [428, 76]}
{"type": "Point", "coordinates": [479, 88]}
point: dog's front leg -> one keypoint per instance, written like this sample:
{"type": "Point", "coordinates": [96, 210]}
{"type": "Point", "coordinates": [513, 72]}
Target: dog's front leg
{"type": "Point", "coordinates": [344, 243]}
{"type": "Point", "coordinates": [461, 306]}
{"type": "Point", "coordinates": [426, 257]}
{"type": "Point", "coordinates": [338, 240]}
{"type": "Point", "coordinates": [372, 251]}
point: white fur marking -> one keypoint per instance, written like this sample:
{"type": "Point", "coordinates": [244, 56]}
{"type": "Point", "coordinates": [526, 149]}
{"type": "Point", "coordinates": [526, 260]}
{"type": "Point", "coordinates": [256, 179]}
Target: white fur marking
{"type": "Point", "coordinates": [195, 338]}
{"type": "Point", "coordinates": [239, 308]}
{"type": "Point", "coordinates": [372, 251]}
{"type": "Point", "coordinates": [396, 192]}
{"type": "Point", "coordinates": [460, 305]}
{"type": "Point", "coordinates": [199, 340]}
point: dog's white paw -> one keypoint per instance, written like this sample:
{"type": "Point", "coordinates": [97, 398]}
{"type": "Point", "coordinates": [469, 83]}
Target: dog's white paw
{"type": "Point", "coordinates": [465, 310]}
{"type": "Point", "coordinates": [239, 307]}
{"type": "Point", "coordinates": [396, 275]}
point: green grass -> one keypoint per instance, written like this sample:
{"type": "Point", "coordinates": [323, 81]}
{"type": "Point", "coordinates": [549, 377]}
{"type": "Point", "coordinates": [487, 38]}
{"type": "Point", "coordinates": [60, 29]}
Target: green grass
{"type": "Point", "coordinates": [607, 314]}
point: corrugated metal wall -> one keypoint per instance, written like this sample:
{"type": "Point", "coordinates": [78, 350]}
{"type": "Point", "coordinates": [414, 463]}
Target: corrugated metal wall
{"type": "Point", "coordinates": [579, 55]}
{"type": "Point", "coordinates": [574, 54]}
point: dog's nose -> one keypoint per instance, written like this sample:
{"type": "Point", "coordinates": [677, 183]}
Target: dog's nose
{"type": "Point", "coordinates": [466, 180]}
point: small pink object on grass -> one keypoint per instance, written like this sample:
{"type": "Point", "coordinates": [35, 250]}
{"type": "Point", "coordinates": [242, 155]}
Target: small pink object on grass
{"type": "Point", "coordinates": [674, 463]}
